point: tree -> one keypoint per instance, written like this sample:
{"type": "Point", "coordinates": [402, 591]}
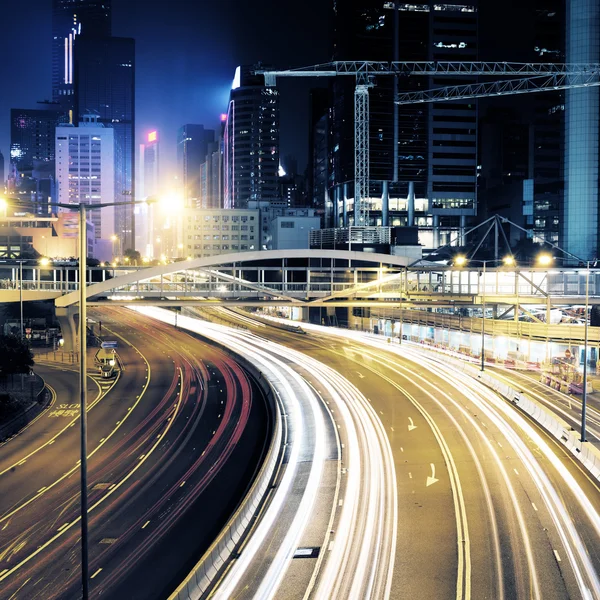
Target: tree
{"type": "Point", "coordinates": [15, 355]}
{"type": "Point", "coordinates": [135, 258]}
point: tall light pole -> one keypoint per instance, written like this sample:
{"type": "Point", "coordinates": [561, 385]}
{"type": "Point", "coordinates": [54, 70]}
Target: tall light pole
{"type": "Point", "coordinates": [546, 260]}
{"type": "Point", "coordinates": [82, 209]}
{"type": "Point", "coordinates": [585, 351]}
{"type": "Point", "coordinates": [21, 294]}
{"type": "Point", "coordinates": [483, 318]}
{"type": "Point", "coordinates": [82, 397]}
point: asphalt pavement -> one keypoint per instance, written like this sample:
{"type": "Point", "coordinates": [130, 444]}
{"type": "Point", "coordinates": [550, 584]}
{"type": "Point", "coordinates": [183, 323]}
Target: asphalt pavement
{"type": "Point", "coordinates": [485, 510]}
{"type": "Point", "coordinates": [171, 450]}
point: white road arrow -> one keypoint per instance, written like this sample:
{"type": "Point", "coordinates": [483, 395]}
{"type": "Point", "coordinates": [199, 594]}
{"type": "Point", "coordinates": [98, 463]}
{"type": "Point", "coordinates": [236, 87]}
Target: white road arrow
{"type": "Point", "coordinates": [411, 425]}
{"type": "Point", "coordinates": [360, 375]}
{"type": "Point", "coordinates": [431, 480]}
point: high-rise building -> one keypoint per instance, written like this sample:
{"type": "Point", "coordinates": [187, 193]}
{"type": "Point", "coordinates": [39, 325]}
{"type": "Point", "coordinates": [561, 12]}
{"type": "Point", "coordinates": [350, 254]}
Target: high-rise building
{"type": "Point", "coordinates": [32, 136]}
{"type": "Point", "coordinates": [148, 185]}
{"type": "Point", "coordinates": [318, 147]}
{"type": "Point", "coordinates": [70, 19]}
{"type": "Point", "coordinates": [104, 77]}
{"type": "Point", "coordinates": [85, 174]}
{"type": "Point", "coordinates": [32, 150]}
{"type": "Point", "coordinates": [422, 158]}
{"type": "Point", "coordinates": [251, 150]}
{"type": "Point", "coordinates": [192, 148]}
{"type": "Point", "coordinates": [581, 134]}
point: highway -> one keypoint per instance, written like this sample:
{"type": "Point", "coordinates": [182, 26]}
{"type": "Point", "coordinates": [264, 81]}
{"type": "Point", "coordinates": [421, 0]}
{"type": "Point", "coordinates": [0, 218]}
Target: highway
{"type": "Point", "coordinates": [488, 505]}
{"type": "Point", "coordinates": [172, 449]}
{"type": "Point", "coordinates": [405, 476]}
{"type": "Point", "coordinates": [336, 498]}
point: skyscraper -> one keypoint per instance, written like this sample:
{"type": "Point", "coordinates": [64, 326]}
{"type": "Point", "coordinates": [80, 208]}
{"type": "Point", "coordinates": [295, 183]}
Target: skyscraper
{"type": "Point", "coordinates": [422, 157]}
{"type": "Point", "coordinates": [85, 173]}
{"type": "Point", "coordinates": [104, 77]}
{"type": "Point", "coordinates": [32, 135]}
{"type": "Point", "coordinates": [251, 150]}
{"type": "Point", "coordinates": [581, 134]}
{"type": "Point", "coordinates": [148, 168]}
{"type": "Point", "coordinates": [32, 152]}
{"type": "Point", "coordinates": [192, 148]}
{"type": "Point", "coordinates": [70, 19]}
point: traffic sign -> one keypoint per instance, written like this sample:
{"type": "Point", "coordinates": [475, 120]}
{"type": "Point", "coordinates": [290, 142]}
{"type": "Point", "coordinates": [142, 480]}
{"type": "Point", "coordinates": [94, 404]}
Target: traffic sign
{"type": "Point", "coordinates": [111, 344]}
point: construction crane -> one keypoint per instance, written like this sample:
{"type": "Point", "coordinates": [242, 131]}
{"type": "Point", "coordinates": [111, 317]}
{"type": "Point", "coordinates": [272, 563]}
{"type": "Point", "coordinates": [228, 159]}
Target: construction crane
{"type": "Point", "coordinates": [528, 78]}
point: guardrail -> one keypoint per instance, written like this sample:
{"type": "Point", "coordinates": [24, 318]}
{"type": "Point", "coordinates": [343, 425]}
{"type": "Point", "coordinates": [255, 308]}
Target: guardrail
{"type": "Point", "coordinates": [22, 419]}
{"type": "Point", "coordinates": [586, 453]}
{"type": "Point", "coordinates": [205, 572]}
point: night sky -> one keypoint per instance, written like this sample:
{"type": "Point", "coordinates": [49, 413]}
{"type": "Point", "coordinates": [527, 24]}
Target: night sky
{"type": "Point", "coordinates": [187, 51]}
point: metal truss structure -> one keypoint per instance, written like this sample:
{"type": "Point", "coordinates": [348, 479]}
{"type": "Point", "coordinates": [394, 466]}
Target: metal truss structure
{"type": "Point", "coordinates": [527, 85]}
{"type": "Point", "coordinates": [533, 77]}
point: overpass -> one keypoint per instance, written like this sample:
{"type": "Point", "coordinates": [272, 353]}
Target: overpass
{"type": "Point", "coordinates": [304, 278]}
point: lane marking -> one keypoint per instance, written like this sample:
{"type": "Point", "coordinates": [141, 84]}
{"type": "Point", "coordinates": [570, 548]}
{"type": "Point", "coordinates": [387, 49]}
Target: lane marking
{"type": "Point", "coordinates": [557, 555]}
{"type": "Point", "coordinates": [109, 493]}
{"type": "Point", "coordinates": [431, 480]}
{"type": "Point", "coordinates": [147, 522]}
{"type": "Point", "coordinates": [98, 571]}
{"type": "Point", "coordinates": [534, 506]}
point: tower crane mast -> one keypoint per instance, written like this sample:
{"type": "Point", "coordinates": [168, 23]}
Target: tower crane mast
{"type": "Point", "coordinates": [525, 78]}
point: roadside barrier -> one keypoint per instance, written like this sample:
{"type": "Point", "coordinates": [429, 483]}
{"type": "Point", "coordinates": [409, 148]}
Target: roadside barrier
{"type": "Point", "coordinates": [206, 571]}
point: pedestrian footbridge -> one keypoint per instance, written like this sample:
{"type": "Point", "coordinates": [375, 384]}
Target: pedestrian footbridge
{"type": "Point", "coordinates": [305, 278]}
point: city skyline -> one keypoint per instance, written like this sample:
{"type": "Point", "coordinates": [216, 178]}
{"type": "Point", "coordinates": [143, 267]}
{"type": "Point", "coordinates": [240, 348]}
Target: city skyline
{"type": "Point", "coordinates": [190, 51]}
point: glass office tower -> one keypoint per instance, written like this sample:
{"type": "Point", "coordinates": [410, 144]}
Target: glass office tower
{"type": "Point", "coordinates": [581, 134]}
{"type": "Point", "coordinates": [105, 84]}
{"type": "Point", "coordinates": [70, 19]}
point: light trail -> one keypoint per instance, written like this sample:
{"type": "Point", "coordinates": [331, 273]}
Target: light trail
{"type": "Point", "coordinates": [361, 559]}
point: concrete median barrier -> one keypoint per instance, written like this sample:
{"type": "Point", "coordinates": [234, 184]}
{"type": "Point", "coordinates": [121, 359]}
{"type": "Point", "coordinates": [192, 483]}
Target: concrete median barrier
{"type": "Point", "coordinates": [205, 573]}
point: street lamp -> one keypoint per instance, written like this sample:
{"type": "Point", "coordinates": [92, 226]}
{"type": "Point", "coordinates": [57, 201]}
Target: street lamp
{"type": "Point", "coordinates": [21, 293]}
{"type": "Point", "coordinates": [82, 209]}
{"type": "Point", "coordinates": [544, 260]}
{"type": "Point", "coordinates": [585, 351]}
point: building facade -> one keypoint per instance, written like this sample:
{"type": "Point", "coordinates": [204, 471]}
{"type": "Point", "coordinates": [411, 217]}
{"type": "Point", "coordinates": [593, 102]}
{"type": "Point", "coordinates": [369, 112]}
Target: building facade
{"type": "Point", "coordinates": [70, 19]}
{"type": "Point", "coordinates": [85, 173]}
{"type": "Point", "coordinates": [251, 141]}
{"type": "Point", "coordinates": [32, 152]}
{"type": "Point", "coordinates": [423, 158]}
{"type": "Point", "coordinates": [105, 84]}
{"type": "Point", "coordinates": [581, 224]}
{"type": "Point", "coordinates": [219, 231]}
{"type": "Point", "coordinates": [193, 143]}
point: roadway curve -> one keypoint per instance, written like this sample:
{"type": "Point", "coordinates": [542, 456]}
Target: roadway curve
{"type": "Point", "coordinates": [488, 505]}
{"type": "Point", "coordinates": [177, 438]}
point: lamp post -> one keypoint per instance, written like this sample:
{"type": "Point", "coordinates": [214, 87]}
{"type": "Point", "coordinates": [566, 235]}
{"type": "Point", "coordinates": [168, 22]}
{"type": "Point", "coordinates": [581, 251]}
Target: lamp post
{"type": "Point", "coordinates": [585, 351]}
{"type": "Point", "coordinates": [21, 294]}
{"type": "Point", "coordinates": [82, 209]}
